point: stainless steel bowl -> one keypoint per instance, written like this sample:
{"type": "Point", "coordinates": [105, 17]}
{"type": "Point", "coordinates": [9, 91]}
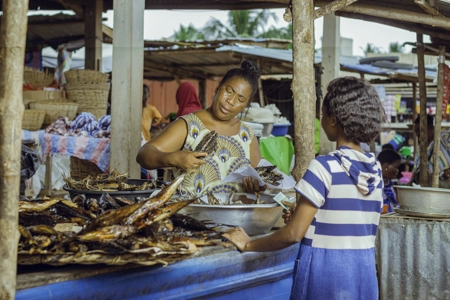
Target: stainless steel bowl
{"type": "Point", "coordinates": [255, 219]}
{"type": "Point", "coordinates": [424, 200]}
{"type": "Point", "coordinates": [267, 129]}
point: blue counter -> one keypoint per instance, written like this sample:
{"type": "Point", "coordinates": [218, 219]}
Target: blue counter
{"type": "Point", "coordinates": [226, 275]}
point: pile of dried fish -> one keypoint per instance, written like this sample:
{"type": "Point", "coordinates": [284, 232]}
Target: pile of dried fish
{"type": "Point", "coordinates": [104, 182]}
{"type": "Point", "coordinates": [208, 144]}
{"type": "Point", "coordinates": [146, 232]}
{"type": "Point", "coordinates": [269, 175]}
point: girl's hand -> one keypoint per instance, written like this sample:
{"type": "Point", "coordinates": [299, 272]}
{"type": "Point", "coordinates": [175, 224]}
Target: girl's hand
{"type": "Point", "coordinates": [185, 159]}
{"type": "Point", "coordinates": [287, 214]}
{"type": "Point", "coordinates": [238, 237]}
{"type": "Point", "coordinates": [252, 185]}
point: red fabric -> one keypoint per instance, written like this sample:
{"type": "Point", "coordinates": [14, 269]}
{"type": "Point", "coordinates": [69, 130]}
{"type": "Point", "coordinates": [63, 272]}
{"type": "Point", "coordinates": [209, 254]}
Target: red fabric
{"type": "Point", "coordinates": [187, 99]}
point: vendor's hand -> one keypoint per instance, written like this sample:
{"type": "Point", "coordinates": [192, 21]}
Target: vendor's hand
{"type": "Point", "coordinates": [185, 159]}
{"type": "Point", "coordinates": [252, 185]}
{"type": "Point", "coordinates": [238, 237]}
{"type": "Point", "coordinates": [287, 214]}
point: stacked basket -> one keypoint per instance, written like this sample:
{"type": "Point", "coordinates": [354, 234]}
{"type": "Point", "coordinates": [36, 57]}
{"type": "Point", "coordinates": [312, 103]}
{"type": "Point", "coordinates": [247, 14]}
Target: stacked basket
{"type": "Point", "coordinates": [89, 89]}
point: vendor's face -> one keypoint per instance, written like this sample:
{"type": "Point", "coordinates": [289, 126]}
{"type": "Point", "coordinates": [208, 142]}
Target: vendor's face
{"type": "Point", "coordinates": [231, 98]}
{"type": "Point", "coordinates": [390, 171]}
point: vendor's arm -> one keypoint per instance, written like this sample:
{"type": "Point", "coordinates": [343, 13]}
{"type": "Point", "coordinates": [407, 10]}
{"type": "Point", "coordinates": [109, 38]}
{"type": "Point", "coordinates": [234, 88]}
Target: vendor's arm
{"type": "Point", "coordinates": [251, 185]}
{"type": "Point", "coordinates": [165, 150]}
{"type": "Point", "coordinates": [255, 154]}
{"type": "Point", "coordinates": [288, 235]}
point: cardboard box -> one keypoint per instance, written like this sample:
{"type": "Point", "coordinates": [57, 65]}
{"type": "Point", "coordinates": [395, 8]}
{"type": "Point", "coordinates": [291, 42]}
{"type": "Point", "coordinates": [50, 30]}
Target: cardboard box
{"type": "Point", "coordinates": [43, 95]}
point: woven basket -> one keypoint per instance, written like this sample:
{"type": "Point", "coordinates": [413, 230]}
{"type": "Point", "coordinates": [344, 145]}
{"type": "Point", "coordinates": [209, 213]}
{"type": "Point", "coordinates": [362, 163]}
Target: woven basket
{"type": "Point", "coordinates": [80, 168]}
{"type": "Point", "coordinates": [53, 110]}
{"type": "Point", "coordinates": [26, 103]}
{"type": "Point", "coordinates": [37, 78]}
{"type": "Point", "coordinates": [85, 76]}
{"type": "Point", "coordinates": [33, 119]}
{"type": "Point", "coordinates": [96, 86]}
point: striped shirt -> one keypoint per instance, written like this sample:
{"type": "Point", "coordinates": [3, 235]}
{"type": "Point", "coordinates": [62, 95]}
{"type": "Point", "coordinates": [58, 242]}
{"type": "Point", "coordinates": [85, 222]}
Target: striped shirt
{"type": "Point", "coordinates": [346, 187]}
{"type": "Point", "coordinates": [444, 155]}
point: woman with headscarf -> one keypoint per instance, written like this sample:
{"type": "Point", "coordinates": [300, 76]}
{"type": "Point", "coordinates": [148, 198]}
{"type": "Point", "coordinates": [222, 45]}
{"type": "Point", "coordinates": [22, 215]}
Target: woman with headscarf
{"type": "Point", "coordinates": [187, 99]}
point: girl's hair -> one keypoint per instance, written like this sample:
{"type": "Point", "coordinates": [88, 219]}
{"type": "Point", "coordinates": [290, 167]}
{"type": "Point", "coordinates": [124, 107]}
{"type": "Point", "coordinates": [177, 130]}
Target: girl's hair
{"type": "Point", "coordinates": [145, 91]}
{"type": "Point", "coordinates": [388, 156]}
{"type": "Point", "coordinates": [248, 71]}
{"type": "Point", "coordinates": [356, 106]}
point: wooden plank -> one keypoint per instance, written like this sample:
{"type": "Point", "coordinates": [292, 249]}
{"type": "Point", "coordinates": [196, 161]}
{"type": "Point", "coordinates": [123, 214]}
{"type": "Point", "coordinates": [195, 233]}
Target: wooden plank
{"type": "Point", "coordinates": [93, 35]}
{"type": "Point", "coordinates": [427, 7]}
{"type": "Point", "coordinates": [260, 87]}
{"type": "Point", "coordinates": [331, 52]}
{"type": "Point", "coordinates": [48, 176]}
{"type": "Point", "coordinates": [331, 7]}
{"type": "Point", "coordinates": [12, 50]}
{"type": "Point", "coordinates": [423, 143]}
{"type": "Point", "coordinates": [126, 107]}
{"type": "Point", "coordinates": [202, 93]}
{"type": "Point", "coordinates": [437, 126]}
{"type": "Point", "coordinates": [303, 84]}
{"type": "Point", "coordinates": [414, 108]}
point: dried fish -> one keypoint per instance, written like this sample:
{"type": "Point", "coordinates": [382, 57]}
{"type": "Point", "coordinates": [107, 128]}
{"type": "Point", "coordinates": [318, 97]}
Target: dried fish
{"type": "Point", "coordinates": [269, 175]}
{"type": "Point", "coordinates": [187, 222]}
{"type": "Point", "coordinates": [208, 144]}
{"type": "Point", "coordinates": [164, 212]}
{"type": "Point", "coordinates": [79, 200]}
{"type": "Point", "coordinates": [109, 200]}
{"type": "Point", "coordinates": [124, 201]}
{"type": "Point", "coordinates": [107, 234]}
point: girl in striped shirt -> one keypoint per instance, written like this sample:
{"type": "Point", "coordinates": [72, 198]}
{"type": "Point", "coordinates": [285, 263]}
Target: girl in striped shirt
{"type": "Point", "coordinates": [340, 199]}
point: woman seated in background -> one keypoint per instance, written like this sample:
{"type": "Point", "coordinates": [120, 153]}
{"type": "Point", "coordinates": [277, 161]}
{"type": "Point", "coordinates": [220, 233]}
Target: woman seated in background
{"type": "Point", "coordinates": [237, 145]}
{"type": "Point", "coordinates": [390, 161]}
{"type": "Point", "coordinates": [187, 99]}
{"type": "Point", "coordinates": [150, 115]}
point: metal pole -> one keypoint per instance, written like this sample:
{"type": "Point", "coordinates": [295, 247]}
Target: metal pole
{"type": "Point", "coordinates": [12, 52]}
{"type": "Point", "coordinates": [437, 127]}
{"type": "Point", "coordinates": [303, 84]}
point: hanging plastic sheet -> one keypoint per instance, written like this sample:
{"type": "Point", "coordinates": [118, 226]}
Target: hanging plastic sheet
{"type": "Point", "coordinates": [278, 151]}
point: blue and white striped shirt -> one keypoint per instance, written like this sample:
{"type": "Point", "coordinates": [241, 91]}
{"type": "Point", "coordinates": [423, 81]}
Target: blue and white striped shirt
{"type": "Point", "coordinates": [347, 188]}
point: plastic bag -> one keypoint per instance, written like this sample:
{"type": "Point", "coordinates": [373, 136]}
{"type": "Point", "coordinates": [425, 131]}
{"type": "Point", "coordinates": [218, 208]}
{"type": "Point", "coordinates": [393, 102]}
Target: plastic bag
{"type": "Point", "coordinates": [29, 163]}
{"type": "Point", "coordinates": [278, 151]}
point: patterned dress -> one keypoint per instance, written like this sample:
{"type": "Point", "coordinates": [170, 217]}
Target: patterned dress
{"type": "Point", "coordinates": [336, 259]}
{"type": "Point", "coordinates": [232, 153]}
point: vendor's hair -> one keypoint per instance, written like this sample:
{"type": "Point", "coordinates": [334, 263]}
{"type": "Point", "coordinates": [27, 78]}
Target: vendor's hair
{"type": "Point", "coordinates": [145, 89]}
{"type": "Point", "coordinates": [388, 156]}
{"type": "Point", "coordinates": [356, 106]}
{"type": "Point", "coordinates": [430, 121]}
{"type": "Point", "coordinates": [248, 71]}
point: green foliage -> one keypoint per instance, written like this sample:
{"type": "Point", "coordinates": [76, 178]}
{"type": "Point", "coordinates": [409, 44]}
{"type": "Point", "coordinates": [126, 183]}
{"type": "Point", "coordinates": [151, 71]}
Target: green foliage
{"type": "Point", "coordinates": [370, 48]}
{"type": "Point", "coordinates": [188, 33]}
{"type": "Point", "coordinates": [395, 47]}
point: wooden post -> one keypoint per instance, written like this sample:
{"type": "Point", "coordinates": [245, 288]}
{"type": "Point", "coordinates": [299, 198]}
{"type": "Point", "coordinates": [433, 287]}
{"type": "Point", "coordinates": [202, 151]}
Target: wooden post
{"type": "Point", "coordinates": [12, 52]}
{"type": "Point", "coordinates": [127, 81]}
{"type": "Point", "coordinates": [331, 52]}
{"type": "Point", "coordinates": [438, 120]}
{"type": "Point", "coordinates": [93, 35]}
{"type": "Point", "coordinates": [303, 84]}
{"type": "Point", "coordinates": [423, 142]}
{"type": "Point", "coordinates": [414, 108]}
{"type": "Point", "coordinates": [202, 93]}
{"type": "Point", "coordinates": [260, 88]}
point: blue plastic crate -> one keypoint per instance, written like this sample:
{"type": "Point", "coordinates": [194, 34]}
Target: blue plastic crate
{"type": "Point", "coordinates": [280, 129]}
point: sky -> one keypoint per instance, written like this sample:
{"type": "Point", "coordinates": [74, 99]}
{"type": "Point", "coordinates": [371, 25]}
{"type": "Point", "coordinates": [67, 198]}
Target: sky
{"type": "Point", "coordinates": [160, 24]}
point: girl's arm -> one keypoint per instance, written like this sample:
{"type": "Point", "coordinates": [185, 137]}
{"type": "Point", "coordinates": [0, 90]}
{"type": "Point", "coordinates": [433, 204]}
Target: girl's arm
{"type": "Point", "coordinates": [288, 235]}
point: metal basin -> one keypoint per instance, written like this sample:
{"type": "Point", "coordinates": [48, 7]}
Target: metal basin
{"type": "Point", "coordinates": [255, 219]}
{"type": "Point", "coordinates": [424, 200]}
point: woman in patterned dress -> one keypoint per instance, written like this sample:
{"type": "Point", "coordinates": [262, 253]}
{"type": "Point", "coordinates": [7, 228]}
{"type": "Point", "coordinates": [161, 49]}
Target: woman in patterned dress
{"type": "Point", "coordinates": [340, 200]}
{"type": "Point", "coordinates": [237, 145]}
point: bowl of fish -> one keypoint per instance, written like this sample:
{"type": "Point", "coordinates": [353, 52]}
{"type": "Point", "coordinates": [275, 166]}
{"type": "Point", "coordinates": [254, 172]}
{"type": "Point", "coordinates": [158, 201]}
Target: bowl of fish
{"type": "Point", "coordinates": [115, 184]}
{"type": "Point", "coordinates": [256, 215]}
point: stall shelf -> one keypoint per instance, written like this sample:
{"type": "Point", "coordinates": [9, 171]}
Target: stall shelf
{"type": "Point", "coordinates": [216, 273]}
{"type": "Point", "coordinates": [413, 258]}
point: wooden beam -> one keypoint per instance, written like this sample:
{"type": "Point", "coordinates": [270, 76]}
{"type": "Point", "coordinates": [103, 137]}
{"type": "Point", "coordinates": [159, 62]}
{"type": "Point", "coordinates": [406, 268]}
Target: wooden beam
{"type": "Point", "coordinates": [127, 80]}
{"type": "Point", "coordinates": [303, 84]}
{"type": "Point", "coordinates": [423, 142]}
{"type": "Point", "coordinates": [202, 93]}
{"type": "Point", "coordinates": [398, 24]}
{"type": "Point", "coordinates": [414, 108]}
{"type": "Point", "coordinates": [331, 7]}
{"type": "Point", "coordinates": [12, 50]}
{"type": "Point", "coordinates": [93, 35]}
{"type": "Point", "coordinates": [76, 8]}
{"type": "Point", "coordinates": [398, 14]}
{"type": "Point", "coordinates": [427, 7]}
{"type": "Point", "coordinates": [260, 87]}
{"type": "Point", "coordinates": [437, 126]}
{"type": "Point", "coordinates": [107, 31]}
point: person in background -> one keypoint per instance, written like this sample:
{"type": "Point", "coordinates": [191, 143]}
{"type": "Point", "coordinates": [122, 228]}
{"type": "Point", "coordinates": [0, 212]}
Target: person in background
{"type": "Point", "coordinates": [150, 115]}
{"type": "Point", "coordinates": [387, 146]}
{"type": "Point", "coordinates": [187, 99]}
{"type": "Point", "coordinates": [444, 155]}
{"type": "Point", "coordinates": [338, 211]}
{"type": "Point", "coordinates": [236, 144]}
{"type": "Point", "coordinates": [390, 162]}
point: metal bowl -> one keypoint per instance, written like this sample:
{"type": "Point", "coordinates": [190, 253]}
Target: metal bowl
{"type": "Point", "coordinates": [255, 219]}
{"type": "Point", "coordinates": [125, 194]}
{"type": "Point", "coordinates": [267, 129]}
{"type": "Point", "coordinates": [424, 200]}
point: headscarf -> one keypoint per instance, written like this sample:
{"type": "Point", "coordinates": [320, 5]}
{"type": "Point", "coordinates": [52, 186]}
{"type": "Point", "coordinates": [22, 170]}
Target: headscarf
{"type": "Point", "coordinates": [187, 99]}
